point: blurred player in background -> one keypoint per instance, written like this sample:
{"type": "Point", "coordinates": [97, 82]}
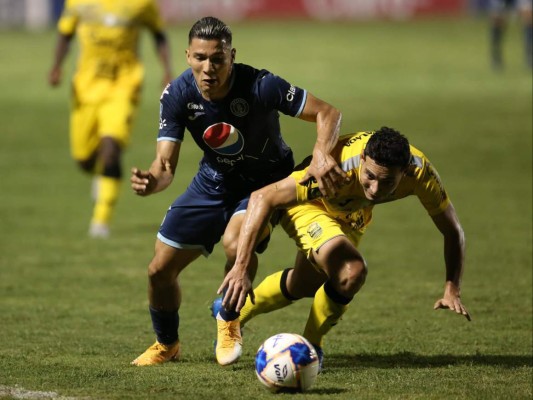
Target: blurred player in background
{"type": "Point", "coordinates": [381, 167]}
{"type": "Point", "coordinates": [499, 13]}
{"type": "Point", "coordinates": [232, 112]}
{"type": "Point", "coordinates": [106, 87]}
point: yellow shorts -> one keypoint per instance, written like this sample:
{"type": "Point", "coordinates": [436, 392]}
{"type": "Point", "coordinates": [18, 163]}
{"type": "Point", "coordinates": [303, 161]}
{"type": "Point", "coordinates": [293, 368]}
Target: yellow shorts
{"type": "Point", "coordinates": [109, 113]}
{"type": "Point", "coordinates": [310, 225]}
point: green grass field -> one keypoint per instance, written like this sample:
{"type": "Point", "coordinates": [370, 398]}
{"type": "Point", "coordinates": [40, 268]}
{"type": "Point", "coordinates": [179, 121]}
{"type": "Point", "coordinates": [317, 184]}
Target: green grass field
{"type": "Point", "coordinates": [73, 311]}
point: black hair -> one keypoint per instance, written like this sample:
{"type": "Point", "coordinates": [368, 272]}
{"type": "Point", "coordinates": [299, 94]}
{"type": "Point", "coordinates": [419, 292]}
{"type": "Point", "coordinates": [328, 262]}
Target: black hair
{"type": "Point", "coordinates": [211, 28]}
{"type": "Point", "coordinates": [389, 148]}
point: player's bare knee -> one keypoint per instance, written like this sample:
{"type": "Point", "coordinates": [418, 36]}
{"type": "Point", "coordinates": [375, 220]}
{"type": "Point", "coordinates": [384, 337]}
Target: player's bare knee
{"type": "Point", "coordinates": [160, 274]}
{"type": "Point", "coordinates": [230, 242]}
{"type": "Point", "coordinates": [353, 277]}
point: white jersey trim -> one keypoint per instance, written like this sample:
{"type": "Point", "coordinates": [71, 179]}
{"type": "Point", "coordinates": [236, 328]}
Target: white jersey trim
{"type": "Point", "coordinates": [304, 100]}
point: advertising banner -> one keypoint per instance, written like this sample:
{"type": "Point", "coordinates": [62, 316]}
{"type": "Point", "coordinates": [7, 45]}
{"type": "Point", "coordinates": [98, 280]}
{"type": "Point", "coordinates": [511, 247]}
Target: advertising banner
{"type": "Point", "coordinates": [177, 10]}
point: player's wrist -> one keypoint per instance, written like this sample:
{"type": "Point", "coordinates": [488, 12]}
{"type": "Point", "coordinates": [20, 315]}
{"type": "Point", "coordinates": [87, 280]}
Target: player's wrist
{"type": "Point", "coordinates": [452, 288]}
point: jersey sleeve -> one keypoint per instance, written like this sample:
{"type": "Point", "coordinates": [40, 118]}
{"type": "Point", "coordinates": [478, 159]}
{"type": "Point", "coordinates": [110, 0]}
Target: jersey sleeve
{"type": "Point", "coordinates": [69, 19]}
{"type": "Point", "coordinates": [276, 93]}
{"type": "Point", "coordinates": [430, 190]}
{"type": "Point", "coordinates": [171, 122]}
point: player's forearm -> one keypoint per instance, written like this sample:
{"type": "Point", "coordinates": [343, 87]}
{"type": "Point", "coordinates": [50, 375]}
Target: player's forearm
{"type": "Point", "coordinates": [454, 256]}
{"type": "Point", "coordinates": [255, 221]}
{"type": "Point", "coordinates": [328, 122]}
{"type": "Point", "coordinates": [162, 181]}
{"type": "Point", "coordinates": [61, 50]}
{"type": "Point", "coordinates": [448, 224]}
{"type": "Point", "coordinates": [163, 51]}
{"type": "Point", "coordinates": [164, 58]}
{"type": "Point", "coordinates": [164, 165]}
{"type": "Point", "coordinates": [162, 175]}
{"type": "Point", "coordinates": [328, 127]}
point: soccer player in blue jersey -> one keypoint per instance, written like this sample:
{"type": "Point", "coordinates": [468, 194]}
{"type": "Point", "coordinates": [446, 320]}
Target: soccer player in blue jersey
{"type": "Point", "coordinates": [232, 113]}
{"type": "Point", "coordinates": [499, 12]}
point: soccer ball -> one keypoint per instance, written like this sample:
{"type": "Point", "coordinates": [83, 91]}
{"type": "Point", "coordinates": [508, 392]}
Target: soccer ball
{"type": "Point", "coordinates": [286, 362]}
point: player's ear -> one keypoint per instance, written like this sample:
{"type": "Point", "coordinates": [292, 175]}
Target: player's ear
{"type": "Point", "coordinates": [233, 52]}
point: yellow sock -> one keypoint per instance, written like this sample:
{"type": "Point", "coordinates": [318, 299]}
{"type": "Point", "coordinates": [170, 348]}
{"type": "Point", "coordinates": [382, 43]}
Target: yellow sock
{"type": "Point", "coordinates": [324, 314]}
{"type": "Point", "coordinates": [106, 197]}
{"type": "Point", "coordinates": [268, 297]}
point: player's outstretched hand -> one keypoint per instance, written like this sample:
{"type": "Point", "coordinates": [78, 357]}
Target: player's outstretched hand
{"type": "Point", "coordinates": [142, 182]}
{"type": "Point", "coordinates": [452, 301]}
{"type": "Point", "coordinates": [236, 286]}
{"type": "Point", "coordinates": [327, 172]}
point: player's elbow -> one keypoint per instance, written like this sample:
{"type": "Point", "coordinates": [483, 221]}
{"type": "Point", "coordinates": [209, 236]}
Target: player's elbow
{"type": "Point", "coordinates": [337, 115]}
{"type": "Point", "coordinates": [455, 232]}
{"type": "Point", "coordinates": [330, 114]}
{"type": "Point", "coordinates": [459, 235]}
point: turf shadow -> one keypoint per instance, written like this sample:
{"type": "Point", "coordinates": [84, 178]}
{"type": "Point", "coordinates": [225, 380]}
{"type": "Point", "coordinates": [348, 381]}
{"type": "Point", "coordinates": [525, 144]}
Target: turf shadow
{"type": "Point", "coordinates": [413, 360]}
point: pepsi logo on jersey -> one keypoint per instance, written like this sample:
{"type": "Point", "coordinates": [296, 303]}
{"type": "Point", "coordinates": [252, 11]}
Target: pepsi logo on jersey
{"type": "Point", "coordinates": [224, 138]}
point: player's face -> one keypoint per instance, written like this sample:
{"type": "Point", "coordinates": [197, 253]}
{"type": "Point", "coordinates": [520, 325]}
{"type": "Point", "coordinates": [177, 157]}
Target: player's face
{"type": "Point", "coordinates": [378, 181]}
{"type": "Point", "coordinates": [211, 62]}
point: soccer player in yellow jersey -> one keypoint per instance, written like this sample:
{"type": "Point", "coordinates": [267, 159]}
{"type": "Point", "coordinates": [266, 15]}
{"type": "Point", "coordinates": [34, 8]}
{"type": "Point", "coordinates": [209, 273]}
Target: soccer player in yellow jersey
{"type": "Point", "coordinates": [381, 167]}
{"type": "Point", "coordinates": [106, 87]}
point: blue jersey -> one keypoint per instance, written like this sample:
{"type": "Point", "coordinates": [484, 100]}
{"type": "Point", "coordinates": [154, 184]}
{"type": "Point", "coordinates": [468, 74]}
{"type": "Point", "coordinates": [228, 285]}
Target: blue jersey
{"type": "Point", "coordinates": [243, 149]}
{"type": "Point", "coordinates": [239, 133]}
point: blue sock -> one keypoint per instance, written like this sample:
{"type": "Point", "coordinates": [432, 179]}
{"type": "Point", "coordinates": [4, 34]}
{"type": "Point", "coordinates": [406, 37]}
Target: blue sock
{"type": "Point", "coordinates": [165, 324]}
{"type": "Point", "coordinates": [228, 315]}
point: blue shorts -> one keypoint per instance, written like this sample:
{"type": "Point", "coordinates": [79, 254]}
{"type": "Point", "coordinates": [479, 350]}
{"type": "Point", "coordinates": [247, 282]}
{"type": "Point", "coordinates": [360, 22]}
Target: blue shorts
{"type": "Point", "coordinates": [197, 219]}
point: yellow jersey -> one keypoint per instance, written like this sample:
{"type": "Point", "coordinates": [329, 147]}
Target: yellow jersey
{"type": "Point", "coordinates": [421, 180]}
{"type": "Point", "coordinates": [108, 32]}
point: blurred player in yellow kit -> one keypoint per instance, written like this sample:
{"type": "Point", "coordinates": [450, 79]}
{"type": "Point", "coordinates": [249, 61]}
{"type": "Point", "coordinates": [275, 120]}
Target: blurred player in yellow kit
{"type": "Point", "coordinates": [106, 87]}
{"type": "Point", "coordinates": [381, 167]}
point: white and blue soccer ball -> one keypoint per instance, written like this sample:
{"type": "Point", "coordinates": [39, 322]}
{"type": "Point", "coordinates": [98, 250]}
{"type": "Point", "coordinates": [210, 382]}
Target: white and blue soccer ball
{"type": "Point", "coordinates": [286, 362]}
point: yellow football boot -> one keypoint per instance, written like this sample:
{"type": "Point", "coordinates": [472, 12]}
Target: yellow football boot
{"type": "Point", "coordinates": [159, 353]}
{"type": "Point", "coordinates": [229, 341]}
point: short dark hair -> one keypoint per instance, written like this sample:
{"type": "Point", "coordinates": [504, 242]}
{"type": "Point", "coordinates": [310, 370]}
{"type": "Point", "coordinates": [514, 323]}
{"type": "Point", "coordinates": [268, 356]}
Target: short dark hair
{"type": "Point", "coordinates": [210, 28]}
{"type": "Point", "coordinates": [389, 148]}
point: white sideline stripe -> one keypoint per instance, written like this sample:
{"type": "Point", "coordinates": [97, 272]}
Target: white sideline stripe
{"type": "Point", "coordinates": [21, 393]}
